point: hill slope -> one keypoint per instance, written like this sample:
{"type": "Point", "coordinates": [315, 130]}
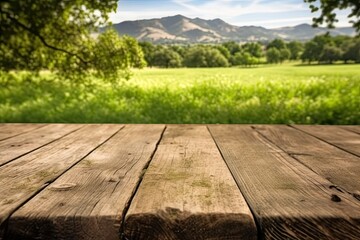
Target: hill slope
{"type": "Point", "coordinates": [179, 28]}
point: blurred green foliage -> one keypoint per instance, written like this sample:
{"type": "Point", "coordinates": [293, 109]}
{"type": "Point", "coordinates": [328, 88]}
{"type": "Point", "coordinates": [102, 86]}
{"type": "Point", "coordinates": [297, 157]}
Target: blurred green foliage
{"type": "Point", "coordinates": [270, 94]}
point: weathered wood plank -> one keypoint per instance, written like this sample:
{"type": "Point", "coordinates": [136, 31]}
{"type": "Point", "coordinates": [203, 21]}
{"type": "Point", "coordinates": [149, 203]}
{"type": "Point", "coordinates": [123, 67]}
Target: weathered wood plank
{"type": "Point", "coordinates": [188, 193]}
{"type": "Point", "coordinates": [20, 180]}
{"type": "Point", "coordinates": [8, 130]}
{"type": "Point", "coordinates": [339, 167]}
{"type": "Point", "coordinates": [352, 128]}
{"type": "Point", "coordinates": [334, 135]}
{"type": "Point", "coordinates": [99, 187]}
{"type": "Point", "coordinates": [15, 147]}
{"type": "Point", "coordinates": [288, 200]}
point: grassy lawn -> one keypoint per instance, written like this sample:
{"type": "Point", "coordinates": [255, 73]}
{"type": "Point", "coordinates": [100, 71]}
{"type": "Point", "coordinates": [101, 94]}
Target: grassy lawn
{"type": "Point", "coordinates": [268, 94]}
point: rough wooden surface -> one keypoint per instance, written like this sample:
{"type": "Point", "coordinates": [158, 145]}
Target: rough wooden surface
{"type": "Point", "coordinates": [334, 135]}
{"type": "Point", "coordinates": [95, 191]}
{"type": "Point", "coordinates": [289, 200]}
{"type": "Point", "coordinates": [9, 130]}
{"type": "Point", "coordinates": [20, 145]}
{"type": "Point", "coordinates": [337, 166]}
{"type": "Point", "coordinates": [22, 179]}
{"type": "Point", "coordinates": [188, 193]}
{"type": "Point", "coordinates": [353, 128]}
{"type": "Point", "coordinates": [60, 181]}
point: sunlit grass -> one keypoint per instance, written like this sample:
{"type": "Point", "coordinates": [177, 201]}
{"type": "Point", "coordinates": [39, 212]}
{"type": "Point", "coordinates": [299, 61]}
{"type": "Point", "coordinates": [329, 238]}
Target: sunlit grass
{"type": "Point", "coordinates": [267, 94]}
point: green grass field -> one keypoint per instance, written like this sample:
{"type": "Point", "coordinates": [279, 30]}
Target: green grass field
{"type": "Point", "coordinates": [328, 94]}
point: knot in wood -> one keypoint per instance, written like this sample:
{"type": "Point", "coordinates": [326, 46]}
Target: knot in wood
{"type": "Point", "coordinates": [62, 186]}
{"type": "Point", "coordinates": [335, 198]}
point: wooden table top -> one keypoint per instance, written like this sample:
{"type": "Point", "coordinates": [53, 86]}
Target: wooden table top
{"type": "Point", "coordinates": [116, 181]}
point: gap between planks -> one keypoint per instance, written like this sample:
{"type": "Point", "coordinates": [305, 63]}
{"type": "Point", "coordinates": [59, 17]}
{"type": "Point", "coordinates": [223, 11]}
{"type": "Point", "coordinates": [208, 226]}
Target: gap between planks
{"type": "Point", "coordinates": [41, 167]}
{"type": "Point", "coordinates": [256, 220]}
{"type": "Point", "coordinates": [337, 166]}
{"type": "Point", "coordinates": [128, 203]}
{"type": "Point", "coordinates": [10, 130]}
{"type": "Point", "coordinates": [352, 128]}
{"type": "Point", "coordinates": [336, 136]}
{"type": "Point", "coordinates": [265, 222]}
{"type": "Point", "coordinates": [188, 193]}
{"type": "Point", "coordinates": [104, 181]}
{"type": "Point", "coordinates": [14, 148]}
{"type": "Point", "coordinates": [287, 198]}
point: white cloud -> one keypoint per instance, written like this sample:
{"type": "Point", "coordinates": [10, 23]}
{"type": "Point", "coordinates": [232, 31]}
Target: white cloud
{"type": "Point", "coordinates": [224, 9]}
{"type": "Point", "coordinates": [268, 13]}
{"type": "Point", "coordinates": [274, 23]}
{"type": "Point", "coordinates": [232, 8]}
{"type": "Point", "coordinates": [137, 15]}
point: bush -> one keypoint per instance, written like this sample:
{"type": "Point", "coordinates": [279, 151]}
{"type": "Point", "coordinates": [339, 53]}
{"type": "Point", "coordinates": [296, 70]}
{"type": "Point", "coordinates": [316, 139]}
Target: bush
{"type": "Point", "coordinates": [167, 58]}
{"type": "Point", "coordinates": [205, 57]}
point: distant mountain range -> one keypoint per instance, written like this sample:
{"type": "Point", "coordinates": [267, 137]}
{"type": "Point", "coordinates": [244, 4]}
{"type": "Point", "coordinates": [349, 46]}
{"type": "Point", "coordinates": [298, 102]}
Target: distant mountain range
{"type": "Point", "coordinates": [196, 30]}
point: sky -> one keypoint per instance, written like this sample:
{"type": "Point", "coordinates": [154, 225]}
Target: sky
{"type": "Point", "coordinates": [265, 13]}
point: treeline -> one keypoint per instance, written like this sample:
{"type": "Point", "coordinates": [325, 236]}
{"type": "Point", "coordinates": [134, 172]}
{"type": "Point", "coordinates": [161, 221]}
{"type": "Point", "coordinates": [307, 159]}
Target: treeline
{"type": "Point", "coordinates": [327, 49]}
{"type": "Point", "coordinates": [321, 49]}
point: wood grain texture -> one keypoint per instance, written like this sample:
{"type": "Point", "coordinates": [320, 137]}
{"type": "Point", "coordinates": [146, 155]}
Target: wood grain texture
{"type": "Point", "coordinates": [352, 128]}
{"type": "Point", "coordinates": [8, 130]}
{"type": "Point", "coordinates": [20, 145]}
{"type": "Point", "coordinates": [20, 180]}
{"type": "Point", "coordinates": [337, 166]}
{"type": "Point", "coordinates": [188, 193]}
{"type": "Point", "coordinates": [335, 135]}
{"type": "Point", "coordinates": [289, 200]}
{"type": "Point", "coordinates": [88, 201]}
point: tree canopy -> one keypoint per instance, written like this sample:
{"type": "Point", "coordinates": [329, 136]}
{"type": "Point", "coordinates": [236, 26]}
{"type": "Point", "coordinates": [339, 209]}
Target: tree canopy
{"type": "Point", "coordinates": [273, 55]}
{"type": "Point", "coordinates": [202, 56]}
{"type": "Point", "coordinates": [276, 43]}
{"type": "Point", "coordinates": [166, 58]}
{"type": "Point", "coordinates": [295, 49]}
{"type": "Point", "coordinates": [60, 35]}
{"type": "Point", "coordinates": [328, 8]}
{"type": "Point", "coordinates": [59, 25]}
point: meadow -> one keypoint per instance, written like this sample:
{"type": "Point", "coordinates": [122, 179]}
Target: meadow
{"type": "Point", "coordinates": [276, 94]}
